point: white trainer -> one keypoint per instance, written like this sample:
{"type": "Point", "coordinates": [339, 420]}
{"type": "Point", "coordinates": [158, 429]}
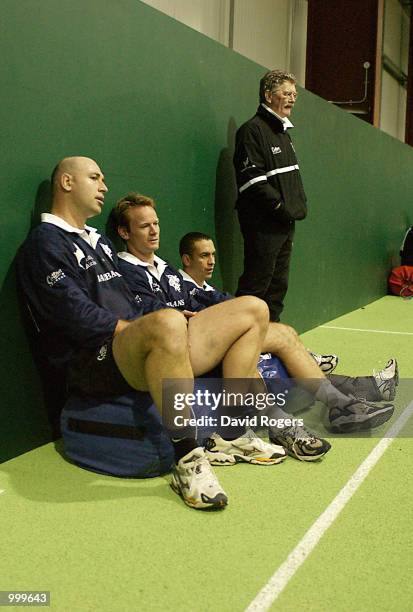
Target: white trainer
{"type": "Point", "coordinates": [326, 363]}
{"type": "Point", "coordinates": [194, 480]}
{"type": "Point", "coordinates": [248, 448]}
{"type": "Point", "coordinates": [387, 380]}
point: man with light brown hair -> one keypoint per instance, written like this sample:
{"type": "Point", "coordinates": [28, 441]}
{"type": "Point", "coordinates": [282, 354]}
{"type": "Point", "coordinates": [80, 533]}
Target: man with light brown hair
{"type": "Point", "coordinates": [159, 285]}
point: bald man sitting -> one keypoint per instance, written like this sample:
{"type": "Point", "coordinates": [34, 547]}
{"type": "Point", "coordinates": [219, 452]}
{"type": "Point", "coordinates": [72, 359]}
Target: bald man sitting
{"type": "Point", "coordinates": [90, 323]}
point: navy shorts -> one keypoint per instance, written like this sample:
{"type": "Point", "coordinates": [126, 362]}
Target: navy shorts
{"type": "Point", "coordinates": [93, 372]}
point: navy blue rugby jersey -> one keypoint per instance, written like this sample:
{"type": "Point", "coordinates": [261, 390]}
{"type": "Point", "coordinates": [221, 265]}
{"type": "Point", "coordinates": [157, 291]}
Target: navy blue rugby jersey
{"type": "Point", "coordinates": [158, 285]}
{"type": "Point", "coordinates": [205, 295]}
{"type": "Point", "coordinates": [74, 290]}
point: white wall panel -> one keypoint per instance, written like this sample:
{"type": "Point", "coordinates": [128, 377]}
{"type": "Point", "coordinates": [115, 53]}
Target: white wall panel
{"type": "Point", "coordinates": [298, 44]}
{"type": "Point", "coordinates": [270, 32]}
{"type": "Point", "coordinates": [392, 30]}
{"type": "Point", "coordinates": [211, 17]}
{"type": "Point", "coordinates": [404, 52]}
{"type": "Point", "coordinates": [389, 116]}
{"type": "Point", "coordinates": [262, 31]}
{"type": "Point", "coordinates": [395, 47]}
{"type": "Point", "coordinates": [401, 119]}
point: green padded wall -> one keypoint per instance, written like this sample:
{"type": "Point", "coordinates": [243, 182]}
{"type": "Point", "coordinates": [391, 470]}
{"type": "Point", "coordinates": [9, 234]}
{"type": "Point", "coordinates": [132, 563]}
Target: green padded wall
{"type": "Point", "coordinates": [157, 105]}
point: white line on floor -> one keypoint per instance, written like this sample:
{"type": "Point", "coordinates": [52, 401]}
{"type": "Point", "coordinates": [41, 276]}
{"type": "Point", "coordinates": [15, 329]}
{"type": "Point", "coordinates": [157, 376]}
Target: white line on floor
{"type": "Point", "coordinates": [374, 331]}
{"type": "Point", "coordinates": [296, 558]}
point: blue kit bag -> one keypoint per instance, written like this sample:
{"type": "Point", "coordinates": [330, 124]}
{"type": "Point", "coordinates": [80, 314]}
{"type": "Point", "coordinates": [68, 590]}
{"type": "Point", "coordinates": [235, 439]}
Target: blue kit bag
{"type": "Point", "coordinates": [124, 436]}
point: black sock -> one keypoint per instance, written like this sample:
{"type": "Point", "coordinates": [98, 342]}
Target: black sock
{"type": "Point", "coordinates": [183, 446]}
{"type": "Point", "coordinates": [236, 429]}
{"type": "Point", "coordinates": [232, 433]}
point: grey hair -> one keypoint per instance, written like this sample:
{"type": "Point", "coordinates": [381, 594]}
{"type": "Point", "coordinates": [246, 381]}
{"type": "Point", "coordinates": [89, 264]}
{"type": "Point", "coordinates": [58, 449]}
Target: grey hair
{"type": "Point", "coordinates": [274, 79]}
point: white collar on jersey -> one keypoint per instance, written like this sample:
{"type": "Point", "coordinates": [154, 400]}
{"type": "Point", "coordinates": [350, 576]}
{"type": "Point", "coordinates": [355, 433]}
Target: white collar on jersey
{"type": "Point", "coordinates": [188, 278]}
{"type": "Point", "coordinates": [89, 234]}
{"type": "Point", "coordinates": [287, 123]}
{"type": "Point", "coordinates": [157, 268]}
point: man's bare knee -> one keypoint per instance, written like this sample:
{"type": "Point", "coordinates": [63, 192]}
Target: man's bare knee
{"type": "Point", "coordinates": [167, 329]}
{"type": "Point", "coordinates": [289, 331]}
{"type": "Point", "coordinates": [257, 307]}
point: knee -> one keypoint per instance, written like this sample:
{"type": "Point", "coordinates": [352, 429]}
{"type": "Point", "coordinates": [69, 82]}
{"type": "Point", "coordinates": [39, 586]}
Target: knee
{"type": "Point", "coordinates": [256, 307]}
{"type": "Point", "coordinates": [167, 329]}
{"type": "Point", "coordinates": [289, 332]}
{"type": "Point", "coordinates": [287, 336]}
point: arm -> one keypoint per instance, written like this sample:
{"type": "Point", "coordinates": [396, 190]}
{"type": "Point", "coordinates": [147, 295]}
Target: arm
{"type": "Point", "coordinates": [205, 297]}
{"type": "Point", "coordinates": [58, 295]}
{"type": "Point", "coordinates": [251, 171]}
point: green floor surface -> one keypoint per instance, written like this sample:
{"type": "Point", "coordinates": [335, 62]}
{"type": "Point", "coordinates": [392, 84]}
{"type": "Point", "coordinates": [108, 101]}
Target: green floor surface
{"type": "Point", "coordinates": [105, 544]}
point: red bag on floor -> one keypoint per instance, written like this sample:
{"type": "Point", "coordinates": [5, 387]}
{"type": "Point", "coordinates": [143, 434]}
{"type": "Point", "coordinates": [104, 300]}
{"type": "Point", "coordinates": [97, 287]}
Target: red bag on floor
{"type": "Point", "coordinates": [401, 281]}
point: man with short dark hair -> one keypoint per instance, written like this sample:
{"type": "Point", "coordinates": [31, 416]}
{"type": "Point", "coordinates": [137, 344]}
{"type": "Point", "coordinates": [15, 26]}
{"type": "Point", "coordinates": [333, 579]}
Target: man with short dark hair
{"type": "Point", "coordinates": [91, 325]}
{"type": "Point", "coordinates": [198, 261]}
{"type": "Point", "coordinates": [197, 253]}
{"type": "Point", "coordinates": [270, 192]}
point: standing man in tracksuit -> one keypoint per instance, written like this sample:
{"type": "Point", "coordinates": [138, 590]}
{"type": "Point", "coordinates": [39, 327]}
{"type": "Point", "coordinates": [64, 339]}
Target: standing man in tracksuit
{"type": "Point", "coordinates": [270, 192]}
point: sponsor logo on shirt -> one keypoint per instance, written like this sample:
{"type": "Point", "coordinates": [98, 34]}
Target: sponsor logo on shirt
{"type": "Point", "coordinates": [193, 291]}
{"type": "Point", "coordinates": [176, 303]}
{"type": "Point", "coordinates": [55, 277]}
{"type": "Point", "coordinates": [90, 262]}
{"type": "Point", "coordinates": [275, 150]}
{"type": "Point", "coordinates": [107, 250]}
{"type": "Point", "coordinates": [174, 282]}
{"type": "Point", "coordinates": [138, 298]}
{"type": "Point", "coordinates": [80, 256]}
{"type": "Point", "coordinates": [108, 276]}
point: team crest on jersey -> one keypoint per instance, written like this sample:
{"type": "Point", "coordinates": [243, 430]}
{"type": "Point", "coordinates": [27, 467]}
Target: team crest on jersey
{"type": "Point", "coordinates": [155, 286]}
{"type": "Point", "coordinates": [275, 150]}
{"type": "Point", "coordinates": [55, 277]}
{"type": "Point", "coordinates": [107, 250]}
{"type": "Point", "coordinates": [174, 282]}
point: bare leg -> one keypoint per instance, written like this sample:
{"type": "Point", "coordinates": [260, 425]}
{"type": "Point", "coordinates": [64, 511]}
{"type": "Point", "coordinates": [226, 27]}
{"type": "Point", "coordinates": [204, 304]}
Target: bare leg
{"type": "Point", "coordinates": [147, 351]}
{"type": "Point", "coordinates": [152, 348]}
{"type": "Point", "coordinates": [283, 341]}
{"type": "Point", "coordinates": [232, 332]}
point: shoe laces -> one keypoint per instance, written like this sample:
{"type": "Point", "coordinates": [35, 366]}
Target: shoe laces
{"type": "Point", "coordinates": [201, 465]}
{"type": "Point", "coordinates": [300, 433]}
{"type": "Point", "coordinates": [382, 374]}
{"type": "Point", "coordinates": [361, 405]}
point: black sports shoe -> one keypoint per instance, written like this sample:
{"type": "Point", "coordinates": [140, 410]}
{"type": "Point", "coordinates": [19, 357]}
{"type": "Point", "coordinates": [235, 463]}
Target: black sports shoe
{"type": "Point", "coordinates": [300, 443]}
{"type": "Point", "coordinates": [359, 415]}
